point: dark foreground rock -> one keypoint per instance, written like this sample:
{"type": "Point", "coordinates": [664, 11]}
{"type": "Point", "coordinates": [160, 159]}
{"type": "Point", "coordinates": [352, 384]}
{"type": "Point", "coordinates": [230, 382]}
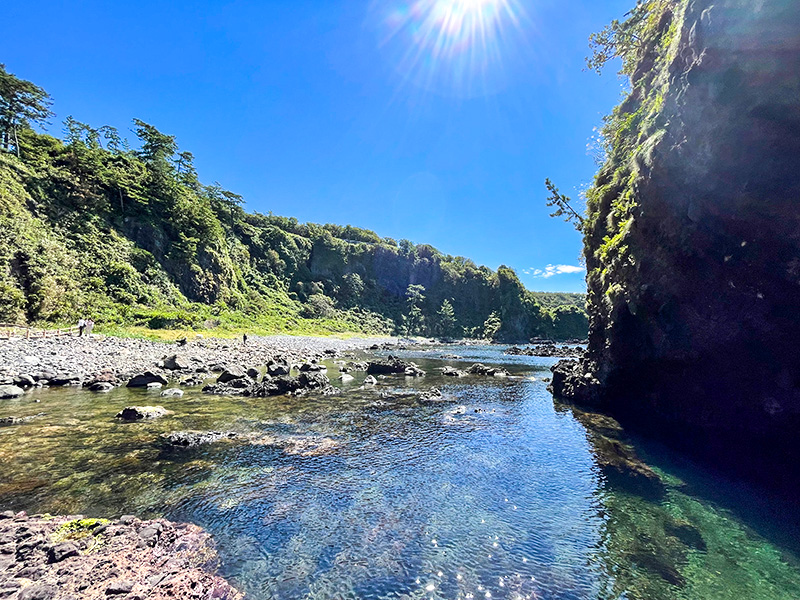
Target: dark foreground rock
{"type": "Point", "coordinates": [90, 559]}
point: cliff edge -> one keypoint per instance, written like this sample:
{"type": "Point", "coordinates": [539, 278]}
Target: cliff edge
{"type": "Point", "coordinates": [692, 235]}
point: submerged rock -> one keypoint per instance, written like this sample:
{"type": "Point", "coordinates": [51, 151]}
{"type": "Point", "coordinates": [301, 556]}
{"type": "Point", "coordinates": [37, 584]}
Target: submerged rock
{"type": "Point", "coordinates": [18, 420]}
{"type": "Point", "coordinates": [172, 393]}
{"type": "Point", "coordinates": [191, 439]}
{"type": "Point", "coordinates": [139, 413]}
{"type": "Point", "coordinates": [101, 387]}
{"type": "Point", "coordinates": [431, 395]}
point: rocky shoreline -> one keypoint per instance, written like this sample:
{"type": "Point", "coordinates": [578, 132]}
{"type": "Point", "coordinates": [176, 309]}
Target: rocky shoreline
{"type": "Point", "coordinates": [44, 557]}
{"type": "Point", "coordinates": [100, 362]}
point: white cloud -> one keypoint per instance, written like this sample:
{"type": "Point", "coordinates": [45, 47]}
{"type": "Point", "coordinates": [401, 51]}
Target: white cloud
{"type": "Point", "coordinates": [552, 270]}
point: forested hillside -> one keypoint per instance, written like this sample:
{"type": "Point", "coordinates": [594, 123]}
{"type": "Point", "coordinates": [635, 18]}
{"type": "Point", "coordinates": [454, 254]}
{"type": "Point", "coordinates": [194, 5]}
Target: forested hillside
{"type": "Point", "coordinates": [126, 234]}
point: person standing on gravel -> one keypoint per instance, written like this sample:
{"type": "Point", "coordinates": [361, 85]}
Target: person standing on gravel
{"type": "Point", "coordinates": [244, 339]}
{"type": "Point", "coordinates": [81, 327]}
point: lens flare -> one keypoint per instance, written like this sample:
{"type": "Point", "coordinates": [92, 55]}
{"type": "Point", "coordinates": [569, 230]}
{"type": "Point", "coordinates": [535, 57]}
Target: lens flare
{"type": "Point", "coordinates": [455, 46]}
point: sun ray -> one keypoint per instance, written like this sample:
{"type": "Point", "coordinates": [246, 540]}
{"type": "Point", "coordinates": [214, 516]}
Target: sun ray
{"type": "Point", "coordinates": [450, 45]}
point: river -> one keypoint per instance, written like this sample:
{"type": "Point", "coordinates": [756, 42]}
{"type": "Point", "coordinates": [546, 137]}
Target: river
{"type": "Point", "coordinates": [494, 492]}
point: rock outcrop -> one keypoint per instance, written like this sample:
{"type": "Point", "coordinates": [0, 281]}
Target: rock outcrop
{"type": "Point", "coordinates": [48, 557]}
{"type": "Point", "coordinates": [692, 236]}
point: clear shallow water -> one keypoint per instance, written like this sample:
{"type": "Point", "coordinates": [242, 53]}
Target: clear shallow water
{"type": "Point", "coordinates": [363, 496]}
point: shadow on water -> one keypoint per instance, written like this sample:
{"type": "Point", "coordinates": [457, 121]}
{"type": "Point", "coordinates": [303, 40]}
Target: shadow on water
{"type": "Point", "coordinates": [491, 491]}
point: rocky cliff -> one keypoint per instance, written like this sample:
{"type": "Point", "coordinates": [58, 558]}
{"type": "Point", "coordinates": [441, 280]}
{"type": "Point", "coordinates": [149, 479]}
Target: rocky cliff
{"type": "Point", "coordinates": [692, 236]}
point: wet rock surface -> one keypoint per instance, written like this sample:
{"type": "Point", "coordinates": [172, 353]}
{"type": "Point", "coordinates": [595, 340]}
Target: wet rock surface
{"type": "Point", "coordinates": [548, 350]}
{"type": "Point", "coordinates": [487, 371]}
{"type": "Point", "coordinates": [191, 439]}
{"type": "Point", "coordinates": [72, 557]}
{"type": "Point", "coordinates": [141, 413]}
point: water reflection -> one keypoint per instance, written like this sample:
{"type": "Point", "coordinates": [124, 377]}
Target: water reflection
{"type": "Point", "coordinates": [492, 493]}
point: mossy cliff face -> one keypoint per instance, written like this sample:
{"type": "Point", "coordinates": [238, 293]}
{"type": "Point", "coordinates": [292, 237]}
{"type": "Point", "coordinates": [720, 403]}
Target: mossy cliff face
{"type": "Point", "coordinates": [693, 235]}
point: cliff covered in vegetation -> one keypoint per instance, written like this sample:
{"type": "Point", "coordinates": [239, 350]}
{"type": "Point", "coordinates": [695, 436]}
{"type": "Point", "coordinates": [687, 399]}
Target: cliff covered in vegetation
{"type": "Point", "coordinates": [129, 236]}
{"type": "Point", "coordinates": [692, 234]}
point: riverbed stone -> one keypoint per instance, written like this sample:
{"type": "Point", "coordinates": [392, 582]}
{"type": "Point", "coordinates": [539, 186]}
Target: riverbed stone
{"type": "Point", "coordinates": [140, 413]}
{"type": "Point", "coordinates": [487, 371]}
{"type": "Point", "coordinates": [62, 551]}
{"type": "Point", "coordinates": [176, 362]}
{"type": "Point", "coordinates": [230, 374]}
{"type": "Point", "coordinates": [101, 387]}
{"type": "Point", "coordinates": [143, 379]}
{"type": "Point", "coordinates": [10, 391]}
{"type": "Point", "coordinates": [191, 439]}
{"type": "Point", "coordinates": [172, 393]}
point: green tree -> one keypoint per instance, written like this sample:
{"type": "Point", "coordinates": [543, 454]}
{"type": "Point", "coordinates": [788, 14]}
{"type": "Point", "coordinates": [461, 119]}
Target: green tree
{"type": "Point", "coordinates": [21, 104]}
{"type": "Point", "coordinates": [620, 39]}
{"type": "Point", "coordinates": [563, 206]}
{"type": "Point", "coordinates": [415, 318]}
{"type": "Point", "coordinates": [492, 326]}
{"type": "Point", "coordinates": [446, 320]}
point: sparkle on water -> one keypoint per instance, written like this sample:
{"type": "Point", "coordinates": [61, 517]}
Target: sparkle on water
{"type": "Point", "coordinates": [495, 492]}
{"type": "Point", "coordinates": [453, 46]}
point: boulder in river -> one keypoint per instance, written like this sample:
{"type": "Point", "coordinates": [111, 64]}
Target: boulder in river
{"type": "Point", "coordinates": [394, 366]}
{"type": "Point", "coordinates": [142, 379]}
{"type": "Point", "coordinates": [10, 391]}
{"type": "Point", "coordinates": [139, 413]}
{"type": "Point", "coordinates": [481, 369]}
{"type": "Point", "coordinates": [172, 393]}
{"type": "Point", "coordinates": [370, 380]}
{"type": "Point", "coordinates": [452, 372]}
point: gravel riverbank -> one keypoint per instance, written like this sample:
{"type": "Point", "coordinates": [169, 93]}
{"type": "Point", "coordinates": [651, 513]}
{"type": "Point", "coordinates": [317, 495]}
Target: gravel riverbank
{"type": "Point", "coordinates": [83, 360]}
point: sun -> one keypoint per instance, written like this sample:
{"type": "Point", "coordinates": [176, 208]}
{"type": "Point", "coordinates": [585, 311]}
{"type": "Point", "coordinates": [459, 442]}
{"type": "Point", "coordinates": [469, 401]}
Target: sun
{"type": "Point", "coordinates": [457, 45]}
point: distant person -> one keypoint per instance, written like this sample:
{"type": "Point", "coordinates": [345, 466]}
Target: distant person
{"type": "Point", "coordinates": [244, 339]}
{"type": "Point", "coordinates": [89, 326]}
{"type": "Point", "coordinates": [81, 327]}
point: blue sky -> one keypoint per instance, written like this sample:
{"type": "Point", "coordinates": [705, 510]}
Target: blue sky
{"type": "Point", "coordinates": [387, 115]}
